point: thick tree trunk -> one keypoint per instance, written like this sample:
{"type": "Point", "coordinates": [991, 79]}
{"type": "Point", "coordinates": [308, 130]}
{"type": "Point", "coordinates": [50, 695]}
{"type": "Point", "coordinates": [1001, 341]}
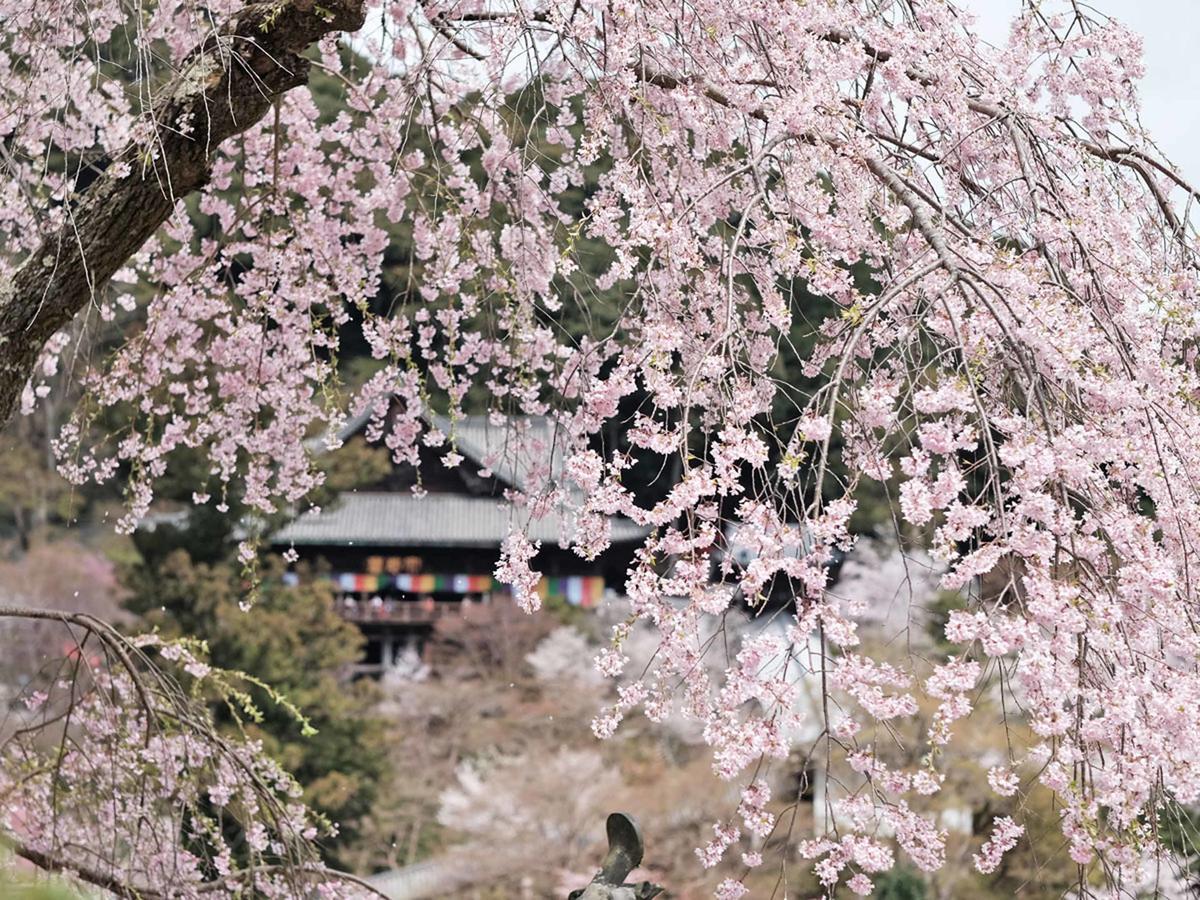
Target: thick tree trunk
{"type": "Point", "coordinates": [224, 86]}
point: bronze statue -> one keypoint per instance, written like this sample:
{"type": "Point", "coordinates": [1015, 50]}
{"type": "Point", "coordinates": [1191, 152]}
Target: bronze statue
{"type": "Point", "coordinates": [625, 850]}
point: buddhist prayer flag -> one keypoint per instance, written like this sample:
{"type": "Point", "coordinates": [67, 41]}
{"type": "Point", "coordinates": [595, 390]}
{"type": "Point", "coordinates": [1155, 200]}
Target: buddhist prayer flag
{"type": "Point", "coordinates": [578, 590]}
{"type": "Point", "coordinates": [581, 590]}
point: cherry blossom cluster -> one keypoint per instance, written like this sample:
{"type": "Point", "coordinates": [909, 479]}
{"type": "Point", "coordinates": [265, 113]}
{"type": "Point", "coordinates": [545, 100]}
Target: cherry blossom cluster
{"type": "Point", "coordinates": [980, 268]}
{"type": "Point", "coordinates": [1005, 835]}
{"type": "Point", "coordinates": [119, 780]}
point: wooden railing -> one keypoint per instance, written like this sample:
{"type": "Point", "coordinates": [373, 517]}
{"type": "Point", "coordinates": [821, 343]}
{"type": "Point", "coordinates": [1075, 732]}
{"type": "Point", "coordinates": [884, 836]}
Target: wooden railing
{"type": "Point", "coordinates": [401, 612]}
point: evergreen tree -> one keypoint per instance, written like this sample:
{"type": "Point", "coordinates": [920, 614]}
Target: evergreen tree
{"type": "Point", "coordinates": [291, 639]}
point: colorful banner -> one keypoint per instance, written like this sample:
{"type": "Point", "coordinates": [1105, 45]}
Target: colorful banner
{"type": "Point", "coordinates": [355, 583]}
{"type": "Point", "coordinates": [578, 590]}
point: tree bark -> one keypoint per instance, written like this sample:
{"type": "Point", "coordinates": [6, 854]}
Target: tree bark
{"type": "Point", "coordinates": [224, 86]}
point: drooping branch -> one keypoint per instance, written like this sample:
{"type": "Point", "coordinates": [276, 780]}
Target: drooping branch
{"type": "Point", "coordinates": [162, 716]}
{"type": "Point", "coordinates": [119, 888]}
{"type": "Point", "coordinates": [224, 86]}
{"type": "Point", "coordinates": [109, 883]}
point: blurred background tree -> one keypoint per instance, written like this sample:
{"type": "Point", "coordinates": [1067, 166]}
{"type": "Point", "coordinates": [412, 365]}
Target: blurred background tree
{"type": "Point", "coordinates": [294, 641]}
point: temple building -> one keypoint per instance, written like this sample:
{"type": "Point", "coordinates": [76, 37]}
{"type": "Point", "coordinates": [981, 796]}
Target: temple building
{"type": "Point", "coordinates": [414, 547]}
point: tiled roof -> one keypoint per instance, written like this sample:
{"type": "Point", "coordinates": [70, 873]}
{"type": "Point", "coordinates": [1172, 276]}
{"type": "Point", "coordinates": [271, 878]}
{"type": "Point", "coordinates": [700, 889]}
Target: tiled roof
{"type": "Point", "coordinates": [513, 447]}
{"type": "Point", "coordinates": [508, 445]}
{"type": "Point", "coordinates": [511, 450]}
{"type": "Point", "coordinates": [401, 519]}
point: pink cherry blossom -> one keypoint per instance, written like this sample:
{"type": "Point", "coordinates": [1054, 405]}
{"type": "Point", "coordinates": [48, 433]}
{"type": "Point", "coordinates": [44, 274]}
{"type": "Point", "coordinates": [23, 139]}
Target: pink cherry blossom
{"type": "Point", "coordinates": [838, 251]}
{"type": "Point", "coordinates": [1005, 834]}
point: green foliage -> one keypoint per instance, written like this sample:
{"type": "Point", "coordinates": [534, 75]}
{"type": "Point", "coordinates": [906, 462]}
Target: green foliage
{"type": "Point", "coordinates": [297, 652]}
{"type": "Point", "coordinates": [203, 534]}
{"type": "Point", "coordinates": [356, 464]}
{"type": "Point", "coordinates": [1179, 831]}
{"type": "Point", "coordinates": [15, 887]}
{"type": "Point", "coordinates": [16, 883]}
{"type": "Point", "coordinates": [939, 615]}
{"type": "Point", "coordinates": [31, 493]}
{"type": "Point", "coordinates": [900, 883]}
